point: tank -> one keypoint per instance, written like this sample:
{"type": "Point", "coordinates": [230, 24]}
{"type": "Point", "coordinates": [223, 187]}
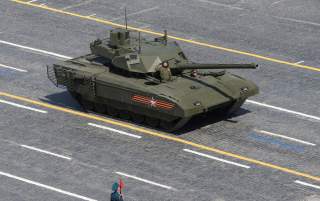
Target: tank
{"type": "Point", "coordinates": [150, 82]}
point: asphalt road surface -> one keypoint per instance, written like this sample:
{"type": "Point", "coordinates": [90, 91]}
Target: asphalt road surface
{"type": "Point", "coordinates": [269, 151]}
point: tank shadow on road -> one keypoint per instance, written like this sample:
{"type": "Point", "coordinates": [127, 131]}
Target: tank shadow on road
{"type": "Point", "coordinates": [63, 99]}
{"type": "Point", "coordinates": [211, 118]}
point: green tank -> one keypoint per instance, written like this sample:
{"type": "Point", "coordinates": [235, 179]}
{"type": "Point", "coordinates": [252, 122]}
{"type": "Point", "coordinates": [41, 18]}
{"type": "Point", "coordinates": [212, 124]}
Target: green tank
{"type": "Point", "coordinates": [150, 81]}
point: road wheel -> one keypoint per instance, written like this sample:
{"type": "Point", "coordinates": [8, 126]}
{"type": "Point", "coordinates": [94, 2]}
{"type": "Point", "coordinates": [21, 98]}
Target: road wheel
{"type": "Point", "coordinates": [137, 118]}
{"type": "Point", "coordinates": [112, 111]}
{"type": "Point", "coordinates": [167, 125]}
{"type": "Point", "coordinates": [100, 108]}
{"type": "Point", "coordinates": [124, 115]}
{"type": "Point", "coordinates": [153, 122]}
{"type": "Point", "coordinates": [86, 105]}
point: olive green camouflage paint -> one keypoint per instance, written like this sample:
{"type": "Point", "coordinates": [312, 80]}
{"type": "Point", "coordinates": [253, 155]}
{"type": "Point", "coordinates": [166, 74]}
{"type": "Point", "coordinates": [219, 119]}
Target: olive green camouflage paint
{"type": "Point", "coordinates": [150, 82]}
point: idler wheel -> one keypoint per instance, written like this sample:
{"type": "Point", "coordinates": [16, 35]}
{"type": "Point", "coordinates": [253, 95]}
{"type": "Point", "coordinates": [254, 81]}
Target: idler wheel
{"type": "Point", "coordinates": [100, 108]}
{"type": "Point", "coordinates": [153, 122]}
{"type": "Point", "coordinates": [75, 95]}
{"type": "Point", "coordinates": [113, 111]}
{"type": "Point", "coordinates": [137, 118]}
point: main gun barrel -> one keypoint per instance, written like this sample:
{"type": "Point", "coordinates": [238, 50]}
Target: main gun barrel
{"type": "Point", "coordinates": [215, 66]}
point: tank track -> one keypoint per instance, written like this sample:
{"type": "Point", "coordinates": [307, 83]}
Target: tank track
{"type": "Point", "coordinates": [129, 115]}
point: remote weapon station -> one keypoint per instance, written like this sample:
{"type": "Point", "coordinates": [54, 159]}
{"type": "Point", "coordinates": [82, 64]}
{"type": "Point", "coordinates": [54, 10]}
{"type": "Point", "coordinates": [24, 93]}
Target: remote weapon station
{"type": "Point", "coordinates": [150, 82]}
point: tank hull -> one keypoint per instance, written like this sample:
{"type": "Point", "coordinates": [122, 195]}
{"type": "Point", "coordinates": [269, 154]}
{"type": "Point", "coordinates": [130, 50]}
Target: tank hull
{"type": "Point", "coordinates": [169, 105]}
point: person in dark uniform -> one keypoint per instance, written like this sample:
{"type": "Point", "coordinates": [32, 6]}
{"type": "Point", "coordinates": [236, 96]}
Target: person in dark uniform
{"type": "Point", "coordinates": [115, 195]}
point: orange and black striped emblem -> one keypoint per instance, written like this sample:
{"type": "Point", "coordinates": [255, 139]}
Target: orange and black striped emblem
{"type": "Point", "coordinates": [152, 102]}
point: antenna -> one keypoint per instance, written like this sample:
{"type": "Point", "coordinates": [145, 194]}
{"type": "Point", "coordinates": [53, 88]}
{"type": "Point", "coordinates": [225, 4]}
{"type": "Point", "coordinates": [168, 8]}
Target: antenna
{"type": "Point", "coordinates": [125, 17]}
{"type": "Point", "coordinates": [165, 37]}
{"type": "Point", "coordinates": [139, 42]}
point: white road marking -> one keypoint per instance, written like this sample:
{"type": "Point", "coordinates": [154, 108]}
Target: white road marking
{"type": "Point", "coordinates": [46, 186]}
{"type": "Point", "coordinates": [216, 158]}
{"type": "Point", "coordinates": [221, 4]}
{"type": "Point", "coordinates": [13, 68]}
{"type": "Point", "coordinates": [22, 106]}
{"type": "Point", "coordinates": [137, 13]}
{"type": "Point", "coordinates": [92, 15]}
{"type": "Point", "coordinates": [145, 27]}
{"type": "Point", "coordinates": [43, 4]}
{"type": "Point", "coordinates": [114, 130]}
{"type": "Point", "coordinates": [307, 184]}
{"type": "Point", "coordinates": [299, 62]}
{"type": "Point", "coordinates": [77, 5]}
{"type": "Point", "coordinates": [35, 50]}
{"type": "Point", "coordinates": [284, 110]}
{"type": "Point", "coordinates": [46, 152]}
{"type": "Point", "coordinates": [285, 137]}
{"type": "Point", "coordinates": [298, 21]}
{"type": "Point", "coordinates": [122, 6]}
{"type": "Point", "coordinates": [146, 181]}
{"type": "Point", "coordinates": [276, 2]}
{"type": "Point", "coordinates": [32, 1]}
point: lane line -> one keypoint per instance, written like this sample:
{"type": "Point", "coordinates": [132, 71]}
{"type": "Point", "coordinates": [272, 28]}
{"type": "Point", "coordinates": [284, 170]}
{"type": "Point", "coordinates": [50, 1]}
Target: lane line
{"type": "Point", "coordinates": [45, 152]}
{"type": "Point", "coordinates": [145, 181]}
{"type": "Point", "coordinates": [22, 106]}
{"type": "Point", "coordinates": [298, 21]}
{"type": "Point", "coordinates": [299, 62]}
{"type": "Point", "coordinates": [276, 2]}
{"type": "Point", "coordinates": [284, 110]}
{"type": "Point", "coordinates": [285, 137]}
{"type": "Point", "coordinates": [32, 1]}
{"type": "Point", "coordinates": [145, 27]}
{"type": "Point", "coordinates": [107, 22]}
{"type": "Point", "coordinates": [221, 4]}
{"type": "Point", "coordinates": [276, 142]}
{"type": "Point", "coordinates": [35, 49]}
{"type": "Point", "coordinates": [114, 130]}
{"type": "Point", "coordinates": [164, 136]}
{"type": "Point", "coordinates": [307, 184]}
{"type": "Point", "coordinates": [13, 68]}
{"type": "Point", "coordinates": [46, 186]}
{"type": "Point", "coordinates": [216, 158]}
{"type": "Point", "coordinates": [122, 6]}
{"type": "Point", "coordinates": [92, 15]}
{"type": "Point", "coordinates": [137, 13]}
{"type": "Point", "coordinates": [77, 5]}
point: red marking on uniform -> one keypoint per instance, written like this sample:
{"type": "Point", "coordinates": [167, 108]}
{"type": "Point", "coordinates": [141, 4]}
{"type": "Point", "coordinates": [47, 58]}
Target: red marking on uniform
{"type": "Point", "coordinates": [152, 102]}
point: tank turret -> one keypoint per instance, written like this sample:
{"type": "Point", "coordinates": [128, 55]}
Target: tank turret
{"type": "Point", "coordinates": [127, 51]}
{"type": "Point", "coordinates": [136, 55]}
